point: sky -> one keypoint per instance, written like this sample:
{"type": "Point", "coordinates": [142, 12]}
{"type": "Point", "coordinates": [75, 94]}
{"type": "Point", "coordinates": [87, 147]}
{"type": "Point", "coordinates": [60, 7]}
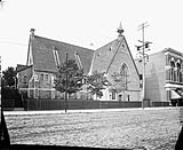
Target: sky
{"type": "Point", "coordinates": [88, 23]}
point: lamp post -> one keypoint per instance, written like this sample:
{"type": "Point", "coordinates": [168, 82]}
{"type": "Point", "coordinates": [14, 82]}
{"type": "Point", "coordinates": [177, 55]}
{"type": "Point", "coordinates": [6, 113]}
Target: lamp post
{"type": "Point", "coordinates": [142, 51]}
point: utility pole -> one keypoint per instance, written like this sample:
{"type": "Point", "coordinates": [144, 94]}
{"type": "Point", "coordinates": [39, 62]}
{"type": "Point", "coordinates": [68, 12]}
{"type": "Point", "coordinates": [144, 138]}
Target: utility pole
{"type": "Point", "coordinates": [142, 51]}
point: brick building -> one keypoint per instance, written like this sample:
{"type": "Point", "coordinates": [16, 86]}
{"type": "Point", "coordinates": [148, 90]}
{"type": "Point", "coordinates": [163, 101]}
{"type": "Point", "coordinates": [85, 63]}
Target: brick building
{"type": "Point", "coordinates": [164, 76]}
{"type": "Point", "coordinates": [45, 55]}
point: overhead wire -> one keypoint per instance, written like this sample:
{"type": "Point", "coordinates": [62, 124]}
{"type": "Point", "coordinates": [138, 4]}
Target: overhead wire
{"type": "Point", "coordinates": [13, 43]}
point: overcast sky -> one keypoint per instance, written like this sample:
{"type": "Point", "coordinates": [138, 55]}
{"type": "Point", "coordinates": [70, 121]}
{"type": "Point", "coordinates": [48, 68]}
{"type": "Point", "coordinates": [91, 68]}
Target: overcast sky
{"type": "Point", "coordinates": [82, 22]}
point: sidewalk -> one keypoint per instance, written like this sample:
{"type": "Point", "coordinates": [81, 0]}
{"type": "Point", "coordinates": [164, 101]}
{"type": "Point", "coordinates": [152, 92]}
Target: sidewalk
{"type": "Point", "coordinates": [86, 110]}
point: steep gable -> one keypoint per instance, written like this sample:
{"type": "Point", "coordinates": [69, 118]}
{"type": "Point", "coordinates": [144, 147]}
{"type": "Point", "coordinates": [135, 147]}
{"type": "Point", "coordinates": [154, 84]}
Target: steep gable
{"type": "Point", "coordinates": [105, 55]}
{"type": "Point", "coordinates": [110, 59]}
{"type": "Point", "coordinates": [44, 59]}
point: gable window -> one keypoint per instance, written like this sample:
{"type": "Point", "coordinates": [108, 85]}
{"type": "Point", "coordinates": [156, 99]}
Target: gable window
{"type": "Point", "coordinates": [124, 74]}
{"type": "Point", "coordinates": [78, 60]}
{"type": "Point", "coordinates": [56, 56]}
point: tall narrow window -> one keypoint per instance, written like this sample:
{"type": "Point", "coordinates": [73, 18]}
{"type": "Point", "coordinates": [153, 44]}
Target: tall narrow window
{"type": "Point", "coordinates": [179, 75]}
{"type": "Point", "coordinates": [167, 74]}
{"type": "Point", "coordinates": [78, 60]}
{"type": "Point", "coordinates": [172, 71]}
{"type": "Point", "coordinates": [56, 56]}
{"type": "Point", "coordinates": [128, 97]}
{"type": "Point", "coordinates": [25, 80]}
{"type": "Point", "coordinates": [124, 74]}
{"type": "Point", "coordinates": [113, 95]}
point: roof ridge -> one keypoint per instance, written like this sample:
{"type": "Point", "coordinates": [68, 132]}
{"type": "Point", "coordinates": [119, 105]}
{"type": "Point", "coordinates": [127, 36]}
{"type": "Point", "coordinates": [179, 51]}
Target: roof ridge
{"type": "Point", "coordinates": [105, 45]}
{"type": "Point", "coordinates": [171, 49]}
{"type": "Point", "coordinates": [133, 60]}
{"type": "Point", "coordinates": [24, 67]}
{"type": "Point", "coordinates": [37, 36]}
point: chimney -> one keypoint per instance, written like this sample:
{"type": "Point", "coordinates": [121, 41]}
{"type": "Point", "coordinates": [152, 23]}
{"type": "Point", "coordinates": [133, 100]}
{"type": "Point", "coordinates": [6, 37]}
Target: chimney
{"type": "Point", "coordinates": [32, 30]}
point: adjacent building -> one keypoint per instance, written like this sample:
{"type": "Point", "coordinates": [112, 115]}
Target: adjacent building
{"type": "Point", "coordinates": [164, 76]}
{"type": "Point", "coordinates": [44, 55]}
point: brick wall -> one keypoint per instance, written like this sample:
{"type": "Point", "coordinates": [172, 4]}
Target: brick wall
{"type": "Point", "coordinates": [133, 82]}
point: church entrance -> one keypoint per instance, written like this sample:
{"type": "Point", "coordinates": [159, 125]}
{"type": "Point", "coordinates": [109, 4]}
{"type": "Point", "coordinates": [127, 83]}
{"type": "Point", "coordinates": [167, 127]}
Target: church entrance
{"type": "Point", "coordinates": [120, 97]}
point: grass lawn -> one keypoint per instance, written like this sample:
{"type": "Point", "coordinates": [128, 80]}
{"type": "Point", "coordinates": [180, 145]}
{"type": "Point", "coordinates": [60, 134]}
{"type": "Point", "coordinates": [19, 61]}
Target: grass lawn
{"type": "Point", "coordinates": [153, 129]}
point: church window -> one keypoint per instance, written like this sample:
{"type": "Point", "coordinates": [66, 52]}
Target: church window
{"type": "Point", "coordinates": [25, 79]}
{"type": "Point", "coordinates": [33, 83]}
{"type": "Point", "coordinates": [124, 74]}
{"type": "Point", "coordinates": [56, 56]}
{"type": "Point", "coordinates": [120, 97]}
{"type": "Point", "coordinates": [113, 95]}
{"type": "Point", "coordinates": [78, 60]}
{"type": "Point", "coordinates": [128, 97]}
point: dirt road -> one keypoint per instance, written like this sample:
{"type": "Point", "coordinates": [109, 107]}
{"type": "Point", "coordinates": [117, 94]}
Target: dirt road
{"type": "Point", "coordinates": [153, 128]}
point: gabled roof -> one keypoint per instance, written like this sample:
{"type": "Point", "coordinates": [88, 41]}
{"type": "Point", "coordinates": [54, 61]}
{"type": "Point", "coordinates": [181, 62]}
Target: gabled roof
{"type": "Point", "coordinates": [105, 55]}
{"type": "Point", "coordinates": [20, 67]}
{"type": "Point", "coordinates": [44, 59]}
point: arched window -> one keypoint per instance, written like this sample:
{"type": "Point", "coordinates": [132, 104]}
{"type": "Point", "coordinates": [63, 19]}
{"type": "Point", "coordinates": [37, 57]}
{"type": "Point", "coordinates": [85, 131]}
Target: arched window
{"type": "Point", "coordinates": [179, 74]}
{"type": "Point", "coordinates": [124, 74]}
{"type": "Point", "coordinates": [25, 80]}
{"type": "Point", "coordinates": [172, 71]}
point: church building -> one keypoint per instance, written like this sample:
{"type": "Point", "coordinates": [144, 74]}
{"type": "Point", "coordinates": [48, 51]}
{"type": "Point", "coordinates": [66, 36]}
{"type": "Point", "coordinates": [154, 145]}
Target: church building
{"type": "Point", "coordinates": [44, 55]}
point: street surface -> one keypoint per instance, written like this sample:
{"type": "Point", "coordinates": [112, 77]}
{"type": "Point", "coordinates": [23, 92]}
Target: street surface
{"type": "Point", "coordinates": [151, 128]}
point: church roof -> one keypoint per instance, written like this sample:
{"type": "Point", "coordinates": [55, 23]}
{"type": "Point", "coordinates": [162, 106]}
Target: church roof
{"type": "Point", "coordinates": [105, 55]}
{"type": "Point", "coordinates": [20, 67]}
{"type": "Point", "coordinates": [43, 55]}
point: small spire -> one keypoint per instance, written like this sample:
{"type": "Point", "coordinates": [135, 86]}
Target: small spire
{"type": "Point", "coordinates": [120, 29]}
